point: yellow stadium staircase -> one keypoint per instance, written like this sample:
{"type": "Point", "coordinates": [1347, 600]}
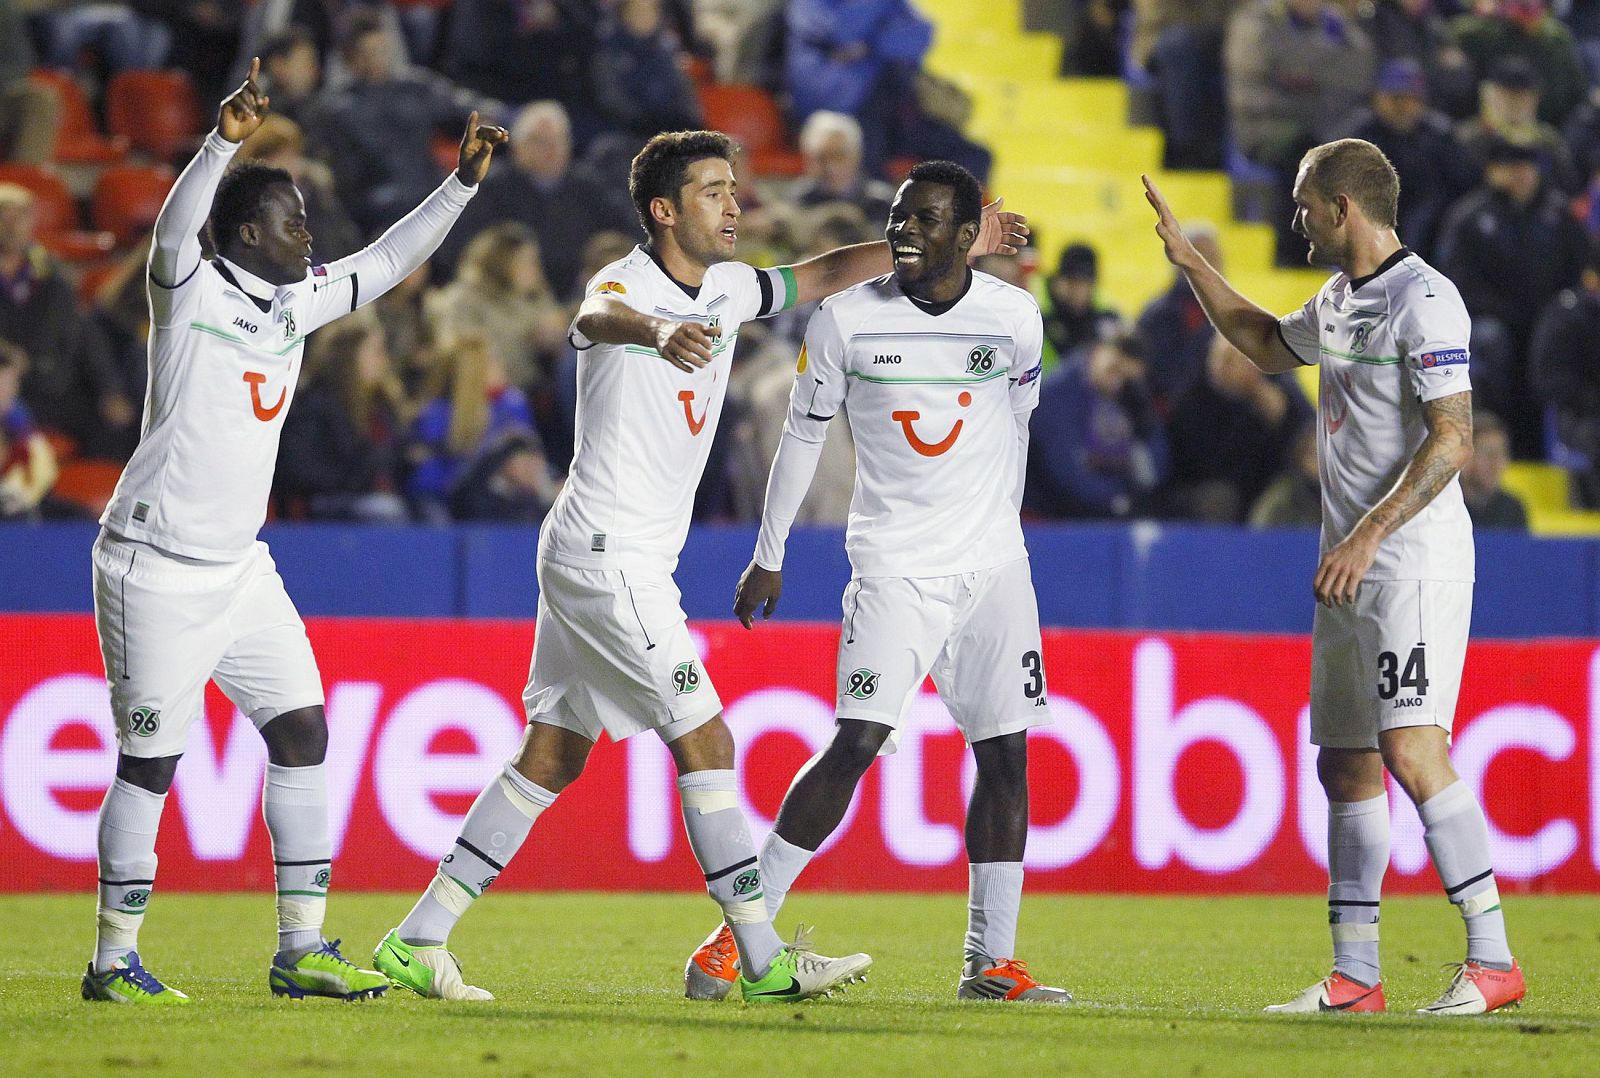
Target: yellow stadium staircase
{"type": "Point", "coordinates": [1066, 156]}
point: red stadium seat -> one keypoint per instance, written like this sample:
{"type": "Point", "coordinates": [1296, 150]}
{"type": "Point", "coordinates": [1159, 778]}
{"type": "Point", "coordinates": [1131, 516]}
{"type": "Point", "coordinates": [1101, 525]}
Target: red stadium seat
{"type": "Point", "coordinates": [128, 197]}
{"type": "Point", "coordinates": [749, 114]}
{"type": "Point", "coordinates": [78, 139]}
{"type": "Point", "coordinates": [87, 483]}
{"type": "Point", "coordinates": [57, 226]}
{"type": "Point", "coordinates": [157, 111]}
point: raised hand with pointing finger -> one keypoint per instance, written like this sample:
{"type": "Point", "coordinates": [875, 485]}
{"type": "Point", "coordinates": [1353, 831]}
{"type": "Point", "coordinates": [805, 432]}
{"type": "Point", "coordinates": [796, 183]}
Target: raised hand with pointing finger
{"type": "Point", "coordinates": [244, 109]}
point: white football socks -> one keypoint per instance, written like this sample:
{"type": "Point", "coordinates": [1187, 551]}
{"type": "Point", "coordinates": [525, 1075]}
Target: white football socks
{"type": "Point", "coordinates": [1458, 838]}
{"type": "Point", "coordinates": [1358, 855]}
{"type": "Point", "coordinates": [994, 901]}
{"type": "Point", "coordinates": [493, 832]}
{"type": "Point", "coordinates": [721, 841]}
{"type": "Point", "coordinates": [129, 818]}
{"type": "Point", "coordinates": [295, 806]}
{"type": "Point", "coordinates": [781, 864]}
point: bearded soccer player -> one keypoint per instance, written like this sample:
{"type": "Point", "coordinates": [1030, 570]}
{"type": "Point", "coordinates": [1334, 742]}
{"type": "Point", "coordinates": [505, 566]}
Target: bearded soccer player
{"type": "Point", "coordinates": [184, 591]}
{"type": "Point", "coordinates": [937, 368]}
{"type": "Point", "coordinates": [612, 652]}
{"type": "Point", "coordinates": [1394, 580]}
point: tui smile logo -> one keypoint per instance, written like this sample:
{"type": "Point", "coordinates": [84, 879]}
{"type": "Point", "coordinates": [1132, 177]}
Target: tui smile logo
{"type": "Point", "coordinates": [930, 449]}
{"type": "Point", "coordinates": [263, 413]}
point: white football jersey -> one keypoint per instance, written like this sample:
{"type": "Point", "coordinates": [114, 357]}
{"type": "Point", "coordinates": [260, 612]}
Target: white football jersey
{"type": "Point", "coordinates": [644, 428]}
{"type": "Point", "coordinates": [1387, 344]}
{"type": "Point", "coordinates": [937, 401]}
{"type": "Point", "coordinates": [224, 356]}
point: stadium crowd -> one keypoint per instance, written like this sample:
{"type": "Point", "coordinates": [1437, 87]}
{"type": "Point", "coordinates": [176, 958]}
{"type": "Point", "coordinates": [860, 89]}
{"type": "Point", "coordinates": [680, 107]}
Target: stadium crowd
{"type": "Point", "coordinates": [453, 399]}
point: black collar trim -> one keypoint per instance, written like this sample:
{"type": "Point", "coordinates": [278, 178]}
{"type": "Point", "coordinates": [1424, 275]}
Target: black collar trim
{"type": "Point", "coordinates": [691, 290]}
{"type": "Point", "coordinates": [936, 309]}
{"type": "Point", "coordinates": [1388, 264]}
{"type": "Point", "coordinates": [227, 275]}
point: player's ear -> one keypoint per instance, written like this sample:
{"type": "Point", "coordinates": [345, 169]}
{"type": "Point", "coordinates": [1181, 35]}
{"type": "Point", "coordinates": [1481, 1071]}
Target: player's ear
{"type": "Point", "coordinates": [249, 234]}
{"type": "Point", "coordinates": [967, 235]}
{"type": "Point", "coordinates": [663, 210]}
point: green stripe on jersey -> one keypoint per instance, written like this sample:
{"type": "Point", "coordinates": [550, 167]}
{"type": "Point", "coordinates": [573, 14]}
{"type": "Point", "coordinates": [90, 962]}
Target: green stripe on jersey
{"type": "Point", "coordinates": [928, 381]}
{"type": "Point", "coordinates": [1376, 361]}
{"type": "Point", "coordinates": [225, 335]}
{"type": "Point", "coordinates": [791, 291]}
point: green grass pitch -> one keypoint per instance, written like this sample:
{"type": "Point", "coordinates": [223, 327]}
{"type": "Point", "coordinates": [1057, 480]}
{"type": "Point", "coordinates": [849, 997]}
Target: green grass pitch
{"type": "Point", "coordinates": [590, 985]}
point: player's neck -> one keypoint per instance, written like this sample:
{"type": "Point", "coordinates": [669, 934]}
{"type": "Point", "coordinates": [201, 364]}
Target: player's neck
{"type": "Point", "coordinates": [679, 265]}
{"type": "Point", "coordinates": [1370, 252]}
{"type": "Point", "coordinates": [946, 289]}
{"type": "Point", "coordinates": [256, 267]}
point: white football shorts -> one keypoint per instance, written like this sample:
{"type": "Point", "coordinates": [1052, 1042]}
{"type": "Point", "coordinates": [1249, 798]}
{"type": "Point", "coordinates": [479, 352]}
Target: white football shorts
{"type": "Point", "coordinates": [976, 633]}
{"type": "Point", "coordinates": [612, 652]}
{"type": "Point", "coordinates": [167, 625]}
{"type": "Point", "coordinates": [1391, 659]}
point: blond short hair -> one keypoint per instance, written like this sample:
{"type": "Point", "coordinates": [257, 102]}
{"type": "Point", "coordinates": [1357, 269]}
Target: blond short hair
{"type": "Point", "coordinates": [1357, 168]}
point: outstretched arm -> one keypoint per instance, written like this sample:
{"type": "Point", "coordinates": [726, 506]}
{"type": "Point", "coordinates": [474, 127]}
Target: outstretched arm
{"type": "Point", "coordinates": [1251, 329]}
{"type": "Point", "coordinates": [999, 232]}
{"type": "Point", "coordinates": [1437, 460]}
{"type": "Point", "coordinates": [175, 247]}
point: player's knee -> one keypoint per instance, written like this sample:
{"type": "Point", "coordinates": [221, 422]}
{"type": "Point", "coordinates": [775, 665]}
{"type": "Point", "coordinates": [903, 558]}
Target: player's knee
{"type": "Point", "coordinates": [855, 745]}
{"type": "Point", "coordinates": [153, 774]}
{"type": "Point", "coordinates": [1417, 764]}
{"type": "Point", "coordinates": [297, 738]}
{"type": "Point", "coordinates": [1348, 775]}
{"type": "Point", "coordinates": [1003, 761]}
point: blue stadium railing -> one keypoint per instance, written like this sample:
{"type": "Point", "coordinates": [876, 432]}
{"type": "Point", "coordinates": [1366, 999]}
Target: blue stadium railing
{"type": "Point", "coordinates": [1141, 576]}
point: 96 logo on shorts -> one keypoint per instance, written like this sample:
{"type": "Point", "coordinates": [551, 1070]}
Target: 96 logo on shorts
{"type": "Point", "coordinates": [685, 678]}
{"type": "Point", "coordinates": [144, 721]}
{"type": "Point", "coordinates": [862, 683]}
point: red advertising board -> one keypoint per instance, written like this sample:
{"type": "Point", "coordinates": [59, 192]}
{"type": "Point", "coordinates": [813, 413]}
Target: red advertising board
{"type": "Point", "coordinates": [1175, 763]}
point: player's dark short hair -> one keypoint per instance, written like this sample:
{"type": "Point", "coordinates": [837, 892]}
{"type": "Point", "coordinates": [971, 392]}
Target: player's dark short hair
{"type": "Point", "coordinates": [967, 192]}
{"type": "Point", "coordinates": [239, 198]}
{"type": "Point", "coordinates": [1357, 168]}
{"type": "Point", "coordinates": [662, 168]}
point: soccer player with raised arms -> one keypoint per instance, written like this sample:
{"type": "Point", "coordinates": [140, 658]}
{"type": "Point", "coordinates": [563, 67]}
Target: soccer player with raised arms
{"type": "Point", "coordinates": [612, 652]}
{"type": "Point", "coordinates": [937, 368]}
{"type": "Point", "coordinates": [184, 591]}
{"type": "Point", "coordinates": [1394, 580]}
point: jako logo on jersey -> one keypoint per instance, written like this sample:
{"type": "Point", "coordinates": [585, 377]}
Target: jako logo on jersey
{"type": "Point", "coordinates": [1445, 358]}
{"type": "Point", "coordinates": [248, 327]}
{"type": "Point", "coordinates": [612, 286]}
{"type": "Point", "coordinates": [695, 425]}
{"type": "Point", "coordinates": [1336, 421]}
{"type": "Point", "coordinates": [930, 449]}
{"type": "Point", "coordinates": [1361, 338]}
{"type": "Point", "coordinates": [886, 359]}
{"type": "Point", "coordinates": [685, 678]}
{"type": "Point", "coordinates": [144, 721]}
{"type": "Point", "coordinates": [263, 413]}
{"type": "Point", "coordinates": [980, 360]}
{"type": "Point", "coordinates": [862, 684]}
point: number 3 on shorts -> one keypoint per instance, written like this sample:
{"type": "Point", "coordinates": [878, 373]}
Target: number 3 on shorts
{"type": "Point", "coordinates": [1415, 675]}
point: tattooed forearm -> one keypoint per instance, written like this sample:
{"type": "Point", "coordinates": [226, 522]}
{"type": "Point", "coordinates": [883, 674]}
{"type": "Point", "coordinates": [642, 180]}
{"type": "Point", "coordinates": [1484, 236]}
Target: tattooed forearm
{"type": "Point", "coordinates": [1437, 460]}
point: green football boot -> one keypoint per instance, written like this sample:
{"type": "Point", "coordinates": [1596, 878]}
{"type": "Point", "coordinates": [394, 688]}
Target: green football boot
{"type": "Point", "coordinates": [430, 972]}
{"type": "Point", "coordinates": [324, 972]}
{"type": "Point", "coordinates": [799, 973]}
{"type": "Point", "coordinates": [129, 982]}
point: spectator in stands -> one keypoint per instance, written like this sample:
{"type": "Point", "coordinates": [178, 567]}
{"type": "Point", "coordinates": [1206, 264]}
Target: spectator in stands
{"type": "Point", "coordinates": [831, 143]}
{"type": "Point", "coordinates": [29, 112]}
{"type": "Point", "coordinates": [640, 85]}
{"type": "Point", "coordinates": [205, 38]}
{"type": "Point", "coordinates": [1229, 435]}
{"type": "Point", "coordinates": [1175, 329]}
{"type": "Point", "coordinates": [1564, 368]}
{"type": "Point", "coordinates": [1296, 69]}
{"type": "Point", "coordinates": [27, 463]}
{"type": "Point", "coordinates": [124, 39]}
{"type": "Point", "coordinates": [340, 452]}
{"type": "Point", "coordinates": [1179, 42]}
{"type": "Point", "coordinates": [121, 310]}
{"type": "Point", "coordinates": [407, 333]}
{"type": "Point", "coordinates": [377, 129]}
{"type": "Point", "coordinates": [1526, 29]}
{"type": "Point", "coordinates": [1509, 110]}
{"type": "Point", "coordinates": [1072, 317]}
{"type": "Point", "coordinates": [72, 385]}
{"type": "Point", "coordinates": [279, 143]}
{"type": "Point", "coordinates": [742, 35]}
{"type": "Point", "coordinates": [543, 191]}
{"type": "Point", "coordinates": [1418, 142]}
{"type": "Point", "coordinates": [501, 293]}
{"type": "Point", "coordinates": [1488, 503]}
{"type": "Point", "coordinates": [291, 72]}
{"type": "Point", "coordinates": [468, 405]}
{"type": "Point", "coordinates": [1294, 498]}
{"type": "Point", "coordinates": [527, 50]}
{"type": "Point", "coordinates": [1510, 246]}
{"type": "Point", "coordinates": [1098, 450]}
{"type": "Point", "coordinates": [864, 59]}
{"type": "Point", "coordinates": [1415, 30]}
{"type": "Point", "coordinates": [510, 483]}
{"type": "Point", "coordinates": [1094, 39]}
